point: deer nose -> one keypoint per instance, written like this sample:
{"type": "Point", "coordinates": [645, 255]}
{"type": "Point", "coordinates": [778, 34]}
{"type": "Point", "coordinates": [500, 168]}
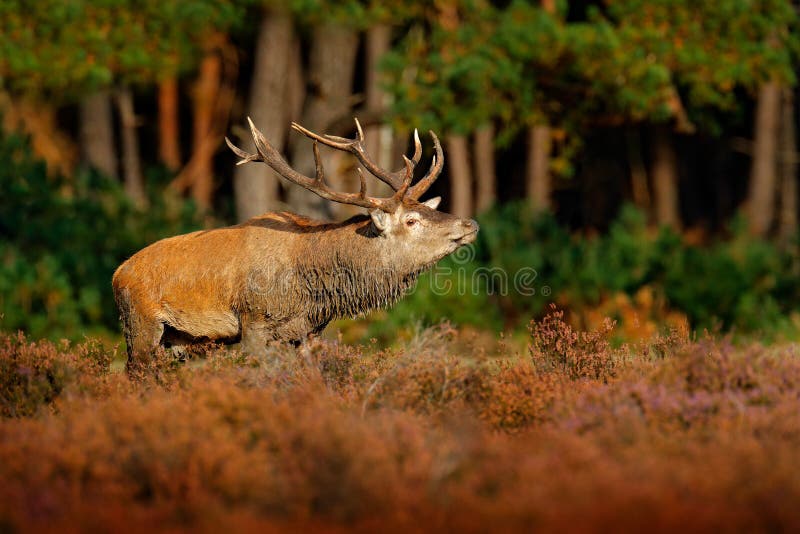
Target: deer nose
{"type": "Point", "coordinates": [470, 225]}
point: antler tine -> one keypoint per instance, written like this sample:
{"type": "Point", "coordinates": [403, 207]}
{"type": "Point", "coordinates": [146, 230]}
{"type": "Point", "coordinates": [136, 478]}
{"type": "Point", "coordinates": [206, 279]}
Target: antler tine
{"type": "Point", "coordinates": [320, 172]}
{"type": "Point", "coordinates": [407, 179]}
{"type": "Point", "coordinates": [362, 191]}
{"type": "Point", "coordinates": [433, 173]}
{"type": "Point", "coordinates": [246, 158]}
{"type": "Point", "coordinates": [356, 147]}
{"type": "Point", "coordinates": [332, 141]}
{"type": "Point", "coordinates": [417, 148]}
{"type": "Point", "coordinates": [359, 130]}
{"type": "Point", "coordinates": [272, 157]}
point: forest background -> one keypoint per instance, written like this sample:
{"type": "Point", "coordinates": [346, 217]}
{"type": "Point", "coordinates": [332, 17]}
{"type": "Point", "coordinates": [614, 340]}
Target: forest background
{"type": "Point", "coordinates": [637, 159]}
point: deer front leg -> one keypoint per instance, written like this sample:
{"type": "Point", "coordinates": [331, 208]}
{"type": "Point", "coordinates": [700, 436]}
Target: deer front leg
{"type": "Point", "coordinates": [296, 331]}
{"type": "Point", "coordinates": [256, 333]}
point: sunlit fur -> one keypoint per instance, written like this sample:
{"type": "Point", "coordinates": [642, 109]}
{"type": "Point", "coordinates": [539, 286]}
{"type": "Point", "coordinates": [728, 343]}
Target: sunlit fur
{"type": "Point", "coordinates": [278, 276]}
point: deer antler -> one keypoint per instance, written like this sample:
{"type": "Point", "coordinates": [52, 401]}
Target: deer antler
{"type": "Point", "coordinates": [356, 147]}
{"type": "Point", "coordinates": [399, 181]}
{"type": "Point", "coordinates": [433, 173]}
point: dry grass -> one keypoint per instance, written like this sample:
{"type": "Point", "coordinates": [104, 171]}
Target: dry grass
{"type": "Point", "coordinates": [574, 436]}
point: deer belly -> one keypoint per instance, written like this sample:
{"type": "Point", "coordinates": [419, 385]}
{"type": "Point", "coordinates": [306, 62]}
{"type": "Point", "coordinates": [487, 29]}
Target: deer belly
{"type": "Point", "coordinates": [199, 312]}
{"type": "Point", "coordinates": [213, 322]}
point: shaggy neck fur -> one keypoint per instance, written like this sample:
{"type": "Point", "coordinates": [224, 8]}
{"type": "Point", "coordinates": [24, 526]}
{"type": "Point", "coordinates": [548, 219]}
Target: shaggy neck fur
{"type": "Point", "coordinates": [352, 272]}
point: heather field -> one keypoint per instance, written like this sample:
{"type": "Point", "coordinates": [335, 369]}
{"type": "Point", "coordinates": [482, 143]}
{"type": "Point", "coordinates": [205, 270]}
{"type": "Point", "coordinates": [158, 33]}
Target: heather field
{"type": "Point", "coordinates": [443, 432]}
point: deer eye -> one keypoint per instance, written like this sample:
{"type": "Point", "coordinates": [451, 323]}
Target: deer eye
{"type": "Point", "coordinates": [411, 222]}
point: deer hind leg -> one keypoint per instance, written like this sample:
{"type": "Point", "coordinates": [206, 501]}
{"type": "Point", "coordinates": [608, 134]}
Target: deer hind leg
{"type": "Point", "coordinates": [142, 343]}
{"type": "Point", "coordinates": [142, 333]}
{"type": "Point", "coordinates": [182, 346]}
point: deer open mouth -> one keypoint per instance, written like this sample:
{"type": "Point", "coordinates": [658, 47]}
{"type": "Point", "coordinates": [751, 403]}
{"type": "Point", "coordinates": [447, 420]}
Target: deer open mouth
{"type": "Point", "coordinates": [466, 239]}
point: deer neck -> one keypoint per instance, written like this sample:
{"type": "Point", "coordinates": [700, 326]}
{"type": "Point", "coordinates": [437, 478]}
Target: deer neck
{"type": "Point", "coordinates": [349, 273]}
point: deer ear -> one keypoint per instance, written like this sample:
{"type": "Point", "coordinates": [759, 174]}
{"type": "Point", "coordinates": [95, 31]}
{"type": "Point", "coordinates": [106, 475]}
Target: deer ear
{"type": "Point", "coordinates": [380, 219]}
{"type": "Point", "coordinates": [433, 203]}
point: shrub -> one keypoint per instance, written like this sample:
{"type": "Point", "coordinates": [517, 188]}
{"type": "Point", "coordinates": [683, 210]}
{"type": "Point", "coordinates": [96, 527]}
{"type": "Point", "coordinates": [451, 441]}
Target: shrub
{"type": "Point", "coordinates": [555, 346]}
{"type": "Point", "coordinates": [646, 279]}
{"type": "Point", "coordinates": [428, 436]}
{"type": "Point", "coordinates": [62, 240]}
{"type": "Point", "coordinates": [34, 375]}
{"type": "Point", "coordinates": [516, 396]}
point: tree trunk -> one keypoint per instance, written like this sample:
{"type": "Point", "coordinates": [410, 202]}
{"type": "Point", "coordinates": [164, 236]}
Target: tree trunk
{"type": "Point", "coordinates": [330, 79]}
{"type": "Point", "coordinates": [379, 139]}
{"type": "Point", "coordinates": [256, 187]}
{"type": "Point", "coordinates": [37, 119]}
{"type": "Point", "coordinates": [295, 83]}
{"type": "Point", "coordinates": [485, 168]}
{"type": "Point", "coordinates": [640, 191]}
{"type": "Point", "coordinates": [213, 96]}
{"type": "Point", "coordinates": [131, 162]}
{"type": "Point", "coordinates": [537, 183]}
{"type": "Point", "coordinates": [763, 173]}
{"type": "Point", "coordinates": [788, 157]}
{"type": "Point", "coordinates": [665, 178]}
{"type": "Point", "coordinates": [205, 94]}
{"type": "Point", "coordinates": [460, 178]}
{"type": "Point", "coordinates": [169, 148]}
{"type": "Point", "coordinates": [97, 133]}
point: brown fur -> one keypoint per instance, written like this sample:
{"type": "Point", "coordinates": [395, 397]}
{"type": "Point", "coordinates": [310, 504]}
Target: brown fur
{"type": "Point", "coordinates": [278, 276]}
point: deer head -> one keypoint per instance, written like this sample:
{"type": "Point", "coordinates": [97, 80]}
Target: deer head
{"type": "Point", "coordinates": [409, 228]}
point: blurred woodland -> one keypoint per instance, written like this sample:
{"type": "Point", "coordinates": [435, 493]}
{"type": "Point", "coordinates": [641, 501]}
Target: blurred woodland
{"type": "Point", "coordinates": [554, 114]}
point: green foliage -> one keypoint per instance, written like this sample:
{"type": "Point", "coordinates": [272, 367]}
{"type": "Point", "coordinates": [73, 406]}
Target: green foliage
{"type": "Point", "coordinates": [445, 293]}
{"type": "Point", "coordinates": [68, 48]}
{"type": "Point", "coordinates": [354, 14]}
{"type": "Point", "coordinates": [700, 52]}
{"type": "Point", "coordinates": [631, 61]}
{"type": "Point", "coordinates": [742, 282]}
{"type": "Point", "coordinates": [745, 282]}
{"type": "Point", "coordinates": [62, 240]}
{"type": "Point", "coordinates": [455, 71]}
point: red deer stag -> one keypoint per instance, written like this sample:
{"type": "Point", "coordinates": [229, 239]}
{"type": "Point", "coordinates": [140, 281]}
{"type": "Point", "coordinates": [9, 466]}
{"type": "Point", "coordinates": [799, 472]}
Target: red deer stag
{"type": "Point", "coordinates": [281, 276]}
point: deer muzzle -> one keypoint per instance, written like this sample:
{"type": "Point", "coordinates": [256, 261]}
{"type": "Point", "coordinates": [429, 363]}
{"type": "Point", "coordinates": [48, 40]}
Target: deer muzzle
{"type": "Point", "coordinates": [465, 232]}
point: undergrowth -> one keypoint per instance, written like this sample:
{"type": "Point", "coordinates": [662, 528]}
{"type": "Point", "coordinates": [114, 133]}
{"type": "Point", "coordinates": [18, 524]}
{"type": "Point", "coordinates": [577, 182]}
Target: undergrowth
{"type": "Point", "coordinates": [575, 433]}
{"type": "Point", "coordinates": [63, 237]}
{"type": "Point", "coordinates": [644, 278]}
